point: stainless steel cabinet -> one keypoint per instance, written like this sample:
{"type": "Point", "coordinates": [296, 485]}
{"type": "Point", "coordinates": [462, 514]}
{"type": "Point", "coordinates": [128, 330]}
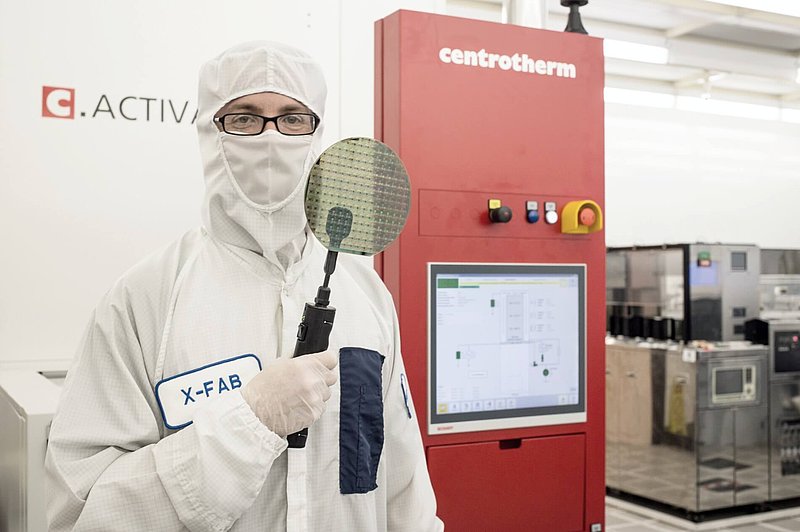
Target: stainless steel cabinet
{"type": "Point", "coordinates": [784, 439]}
{"type": "Point", "coordinates": [679, 432]}
{"type": "Point", "coordinates": [784, 409]}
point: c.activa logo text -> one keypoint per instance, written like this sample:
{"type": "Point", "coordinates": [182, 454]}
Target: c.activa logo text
{"type": "Point", "coordinates": [58, 102]}
{"type": "Point", "coordinates": [516, 62]}
{"type": "Point", "coordinates": [147, 109]}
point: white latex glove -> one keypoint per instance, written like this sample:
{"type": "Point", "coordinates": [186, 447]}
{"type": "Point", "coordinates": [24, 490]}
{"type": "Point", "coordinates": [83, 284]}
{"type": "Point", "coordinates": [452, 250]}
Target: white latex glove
{"type": "Point", "coordinates": [290, 394]}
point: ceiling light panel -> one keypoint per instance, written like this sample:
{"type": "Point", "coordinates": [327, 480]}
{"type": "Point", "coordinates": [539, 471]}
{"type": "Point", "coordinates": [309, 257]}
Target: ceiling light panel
{"type": "Point", "coordinates": [781, 7]}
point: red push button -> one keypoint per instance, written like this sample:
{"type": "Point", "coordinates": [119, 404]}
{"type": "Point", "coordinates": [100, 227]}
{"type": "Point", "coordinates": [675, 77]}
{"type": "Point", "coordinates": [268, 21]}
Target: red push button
{"type": "Point", "coordinates": [587, 216]}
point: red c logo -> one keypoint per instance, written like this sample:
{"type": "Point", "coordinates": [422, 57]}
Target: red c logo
{"type": "Point", "coordinates": [58, 102]}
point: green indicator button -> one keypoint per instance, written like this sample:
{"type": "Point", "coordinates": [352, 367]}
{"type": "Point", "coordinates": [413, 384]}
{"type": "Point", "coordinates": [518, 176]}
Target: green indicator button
{"type": "Point", "coordinates": [546, 372]}
{"type": "Point", "coordinates": [447, 283]}
{"type": "Point", "coordinates": [458, 355]}
{"type": "Point", "coordinates": [492, 303]}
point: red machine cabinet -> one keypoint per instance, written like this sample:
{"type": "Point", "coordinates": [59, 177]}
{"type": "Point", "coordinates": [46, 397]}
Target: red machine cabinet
{"type": "Point", "coordinates": [525, 125]}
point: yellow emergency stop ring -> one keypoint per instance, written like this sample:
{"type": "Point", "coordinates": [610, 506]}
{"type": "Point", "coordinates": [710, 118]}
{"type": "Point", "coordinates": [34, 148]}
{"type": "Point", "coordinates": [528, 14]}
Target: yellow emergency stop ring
{"type": "Point", "coordinates": [570, 217]}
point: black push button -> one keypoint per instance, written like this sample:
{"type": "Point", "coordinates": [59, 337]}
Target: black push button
{"type": "Point", "coordinates": [500, 215]}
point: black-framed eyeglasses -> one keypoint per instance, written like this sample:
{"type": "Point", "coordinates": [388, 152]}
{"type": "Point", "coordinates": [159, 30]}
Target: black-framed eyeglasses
{"type": "Point", "coordinates": [249, 124]}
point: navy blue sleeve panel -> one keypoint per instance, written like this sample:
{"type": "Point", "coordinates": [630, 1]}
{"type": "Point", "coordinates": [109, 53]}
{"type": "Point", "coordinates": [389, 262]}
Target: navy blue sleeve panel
{"type": "Point", "coordinates": [360, 419]}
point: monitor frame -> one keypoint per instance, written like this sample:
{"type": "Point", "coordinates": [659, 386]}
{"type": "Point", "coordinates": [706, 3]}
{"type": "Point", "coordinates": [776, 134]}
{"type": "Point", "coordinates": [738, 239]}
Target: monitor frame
{"type": "Point", "coordinates": [511, 418]}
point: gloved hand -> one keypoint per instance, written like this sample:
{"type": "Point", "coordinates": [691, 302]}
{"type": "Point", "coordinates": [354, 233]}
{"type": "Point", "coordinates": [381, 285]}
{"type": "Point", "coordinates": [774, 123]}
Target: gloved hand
{"type": "Point", "coordinates": [290, 393]}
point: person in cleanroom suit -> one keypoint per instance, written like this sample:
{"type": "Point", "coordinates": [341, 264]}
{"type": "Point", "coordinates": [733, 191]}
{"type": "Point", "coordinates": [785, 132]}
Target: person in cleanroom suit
{"type": "Point", "coordinates": [175, 412]}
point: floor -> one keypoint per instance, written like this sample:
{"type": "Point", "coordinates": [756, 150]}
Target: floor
{"type": "Point", "coordinates": [711, 476]}
{"type": "Point", "coordinates": [622, 516]}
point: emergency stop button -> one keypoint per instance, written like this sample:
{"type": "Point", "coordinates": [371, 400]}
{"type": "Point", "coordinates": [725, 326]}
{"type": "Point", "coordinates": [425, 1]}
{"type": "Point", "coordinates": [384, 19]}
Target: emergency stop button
{"type": "Point", "coordinates": [587, 216]}
{"type": "Point", "coordinates": [580, 217]}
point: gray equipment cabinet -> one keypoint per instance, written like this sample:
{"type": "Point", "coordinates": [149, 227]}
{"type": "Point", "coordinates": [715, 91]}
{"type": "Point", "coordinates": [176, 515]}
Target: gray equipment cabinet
{"type": "Point", "coordinates": [28, 400]}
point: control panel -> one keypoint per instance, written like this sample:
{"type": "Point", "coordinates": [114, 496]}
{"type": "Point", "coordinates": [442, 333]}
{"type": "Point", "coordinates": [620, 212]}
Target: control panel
{"type": "Point", "coordinates": [786, 352]}
{"type": "Point", "coordinates": [577, 217]}
{"type": "Point", "coordinates": [465, 213]}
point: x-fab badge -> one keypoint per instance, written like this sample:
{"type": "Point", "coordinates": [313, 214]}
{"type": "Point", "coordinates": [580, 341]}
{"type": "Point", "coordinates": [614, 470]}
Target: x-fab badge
{"type": "Point", "coordinates": [180, 395]}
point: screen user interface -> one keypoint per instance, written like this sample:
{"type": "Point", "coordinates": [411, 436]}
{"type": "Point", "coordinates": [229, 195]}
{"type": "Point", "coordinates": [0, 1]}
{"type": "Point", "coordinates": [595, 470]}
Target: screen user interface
{"type": "Point", "coordinates": [507, 341]}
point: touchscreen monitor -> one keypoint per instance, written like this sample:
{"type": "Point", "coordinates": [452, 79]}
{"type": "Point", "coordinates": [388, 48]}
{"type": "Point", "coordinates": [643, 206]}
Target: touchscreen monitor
{"type": "Point", "coordinates": [507, 346]}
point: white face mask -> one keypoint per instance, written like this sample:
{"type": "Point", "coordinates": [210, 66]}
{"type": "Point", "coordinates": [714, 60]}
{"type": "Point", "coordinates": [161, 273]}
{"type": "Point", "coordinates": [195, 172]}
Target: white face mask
{"type": "Point", "coordinates": [267, 175]}
{"type": "Point", "coordinates": [268, 168]}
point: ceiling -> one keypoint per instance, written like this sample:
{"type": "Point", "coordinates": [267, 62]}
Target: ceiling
{"type": "Point", "coordinates": [730, 52]}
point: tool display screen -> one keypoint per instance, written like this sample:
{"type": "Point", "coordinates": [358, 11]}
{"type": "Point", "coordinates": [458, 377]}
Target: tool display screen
{"type": "Point", "coordinates": [507, 342]}
{"type": "Point", "coordinates": [729, 381]}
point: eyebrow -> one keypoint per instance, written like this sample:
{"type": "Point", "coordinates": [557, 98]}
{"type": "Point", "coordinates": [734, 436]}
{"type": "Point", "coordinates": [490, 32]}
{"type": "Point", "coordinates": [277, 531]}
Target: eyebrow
{"type": "Point", "coordinates": [288, 108]}
{"type": "Point", "coordinates": [249, 107]}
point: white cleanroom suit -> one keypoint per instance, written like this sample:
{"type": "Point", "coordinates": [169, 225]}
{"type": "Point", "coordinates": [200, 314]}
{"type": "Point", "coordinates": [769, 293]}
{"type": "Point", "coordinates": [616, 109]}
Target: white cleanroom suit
{"type": "Point", "coordinates": [153, 432]}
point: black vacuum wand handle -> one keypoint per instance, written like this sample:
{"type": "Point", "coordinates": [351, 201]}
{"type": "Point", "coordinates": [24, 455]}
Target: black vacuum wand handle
{"type": "Point", "coordinates": [314, 332]}
{"type": "Point", "coordinates": [317, 322]}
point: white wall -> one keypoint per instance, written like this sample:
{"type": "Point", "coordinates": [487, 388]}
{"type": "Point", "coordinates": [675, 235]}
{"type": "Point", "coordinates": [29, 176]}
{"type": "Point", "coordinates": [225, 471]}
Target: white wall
{"type": "Point", "coordinates": [680, 176]}
{"type": "Point", "coordinates": [82, 200]}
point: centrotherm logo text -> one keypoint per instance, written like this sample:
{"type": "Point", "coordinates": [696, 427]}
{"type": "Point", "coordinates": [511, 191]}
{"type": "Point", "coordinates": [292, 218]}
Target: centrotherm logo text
{"type": "Point", "coordinates": [516, 62]}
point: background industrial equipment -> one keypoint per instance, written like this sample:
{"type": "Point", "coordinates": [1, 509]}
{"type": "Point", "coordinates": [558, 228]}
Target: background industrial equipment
{"type": "Point", "coordinates": [692, 422]}
{"type": "Point", "coordinates": [682, 291]}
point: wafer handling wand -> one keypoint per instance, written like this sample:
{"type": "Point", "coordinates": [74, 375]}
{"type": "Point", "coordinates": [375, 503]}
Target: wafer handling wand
{"type": "Point", "coordinates": [357, 201]}
{"type": "Point", "coordinates": [317, 321]}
